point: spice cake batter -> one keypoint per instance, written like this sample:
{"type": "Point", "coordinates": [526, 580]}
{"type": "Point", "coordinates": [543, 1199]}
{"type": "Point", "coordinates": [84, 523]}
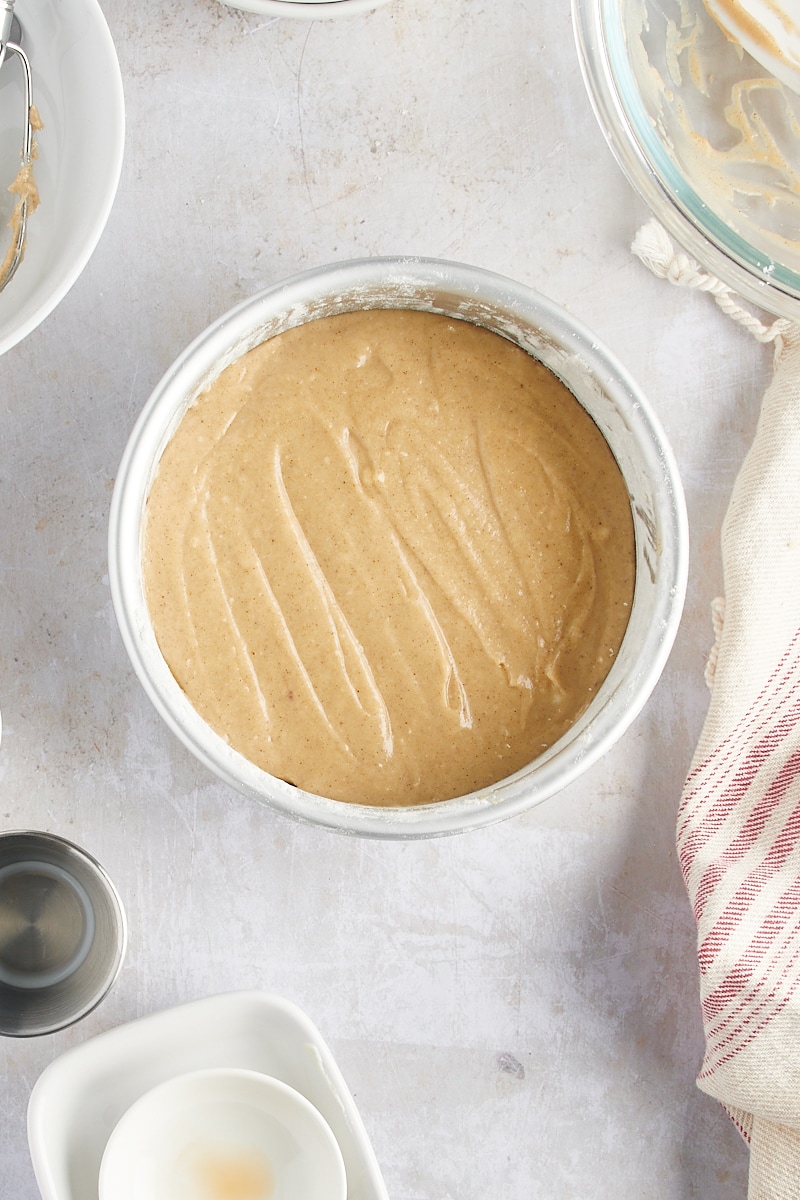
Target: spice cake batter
{"type": "Point", "coordinates": [389, 557]}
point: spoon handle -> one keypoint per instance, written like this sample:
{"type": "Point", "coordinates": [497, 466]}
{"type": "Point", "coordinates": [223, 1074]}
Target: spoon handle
{"type": "Point", "coordinates": [6, 17]}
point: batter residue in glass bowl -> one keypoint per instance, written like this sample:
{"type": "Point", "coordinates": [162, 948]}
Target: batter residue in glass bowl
{"type": "Point", "coordinates": [723, 134]}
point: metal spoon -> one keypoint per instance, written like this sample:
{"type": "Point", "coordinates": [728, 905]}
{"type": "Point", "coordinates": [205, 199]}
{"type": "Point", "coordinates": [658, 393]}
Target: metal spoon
{"type": "Point", "coordinates": [10, 42]}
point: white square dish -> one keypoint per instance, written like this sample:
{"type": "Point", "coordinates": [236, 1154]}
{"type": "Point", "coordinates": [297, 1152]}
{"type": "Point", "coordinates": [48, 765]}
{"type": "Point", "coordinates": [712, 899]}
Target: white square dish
{"type": "Point", "coordinates": [78, 1099]}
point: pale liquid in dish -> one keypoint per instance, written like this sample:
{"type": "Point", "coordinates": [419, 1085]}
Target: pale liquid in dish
{"type": "Point", "coordinates": [389, 557]}
{"type": "Point", "coordinates": [204, 1174]}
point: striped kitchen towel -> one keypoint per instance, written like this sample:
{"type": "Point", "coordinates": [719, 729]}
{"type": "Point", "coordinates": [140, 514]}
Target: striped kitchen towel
{"type": "Point", "coordinates": [738, 832]}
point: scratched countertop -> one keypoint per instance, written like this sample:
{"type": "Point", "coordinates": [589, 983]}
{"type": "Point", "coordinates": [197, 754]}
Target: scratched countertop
{"type": "Point", "coordinates": [515, 1010]}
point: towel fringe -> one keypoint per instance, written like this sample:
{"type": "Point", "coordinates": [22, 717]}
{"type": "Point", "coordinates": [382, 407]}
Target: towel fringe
{"type": "Point", "coordinates": [652, 245]}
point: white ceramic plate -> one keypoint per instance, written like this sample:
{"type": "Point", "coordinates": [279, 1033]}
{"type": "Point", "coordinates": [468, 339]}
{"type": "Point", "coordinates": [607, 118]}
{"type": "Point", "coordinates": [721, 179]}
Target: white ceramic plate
{"type": "Point", "coordinates": [310, 9]}
{"type": "Point", "coordinates": [78, 1100]}
{"type": "Point", "coordinates": [77, 88]}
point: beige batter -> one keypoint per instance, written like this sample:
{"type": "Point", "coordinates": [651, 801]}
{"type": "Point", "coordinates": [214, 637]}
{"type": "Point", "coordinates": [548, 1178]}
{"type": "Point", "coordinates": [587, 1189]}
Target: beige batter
{"type": "Point", "coordinates": [26, 190]}
{"type": "Point", "coordinates": [389, 557]}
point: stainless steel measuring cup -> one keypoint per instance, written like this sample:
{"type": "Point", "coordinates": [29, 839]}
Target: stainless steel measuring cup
{"type": "Point", "coordinates": [63, 933]}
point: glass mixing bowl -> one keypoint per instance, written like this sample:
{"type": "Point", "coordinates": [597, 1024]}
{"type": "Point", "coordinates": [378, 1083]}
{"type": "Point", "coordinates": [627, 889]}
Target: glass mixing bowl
{"type": "Point", "coordinates": [706, 135]}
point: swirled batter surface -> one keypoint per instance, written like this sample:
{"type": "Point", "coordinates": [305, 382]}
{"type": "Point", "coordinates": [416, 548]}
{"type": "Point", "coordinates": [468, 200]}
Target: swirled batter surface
{"type": "Point", "coordinates": [389, 557]}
